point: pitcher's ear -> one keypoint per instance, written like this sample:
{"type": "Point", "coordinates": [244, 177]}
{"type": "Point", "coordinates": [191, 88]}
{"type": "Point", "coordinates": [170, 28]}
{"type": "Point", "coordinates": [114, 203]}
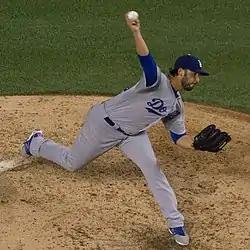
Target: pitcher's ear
{"type": "Point", "coordinates": [181, 72]}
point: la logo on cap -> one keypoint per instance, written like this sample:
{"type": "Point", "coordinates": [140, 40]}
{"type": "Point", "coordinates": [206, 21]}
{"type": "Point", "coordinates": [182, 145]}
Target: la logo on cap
{"type": "Point", "coordinates": [200, 63]}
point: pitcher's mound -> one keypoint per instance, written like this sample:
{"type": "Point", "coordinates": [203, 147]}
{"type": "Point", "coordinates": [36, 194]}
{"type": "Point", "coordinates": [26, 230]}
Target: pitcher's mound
{"type": "Point", "coordinates": [107, 204]}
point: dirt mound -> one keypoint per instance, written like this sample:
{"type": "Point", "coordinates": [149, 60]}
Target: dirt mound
{"type": "Point", "coordinates": [107, 204]}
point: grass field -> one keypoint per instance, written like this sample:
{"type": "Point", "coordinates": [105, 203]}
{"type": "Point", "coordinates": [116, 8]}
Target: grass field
{"type": "Point", "coordinates": [84, 47]}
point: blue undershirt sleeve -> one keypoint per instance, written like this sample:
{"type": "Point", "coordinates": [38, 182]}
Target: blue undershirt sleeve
{"type": "Point", "coordinates": [150, 69]}
{"type": "Point", "coordinates": [175, 137]}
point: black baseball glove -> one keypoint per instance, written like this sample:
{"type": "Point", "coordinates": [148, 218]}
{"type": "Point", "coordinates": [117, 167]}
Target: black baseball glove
{"type": "Point", "coordinates": [211, 139]}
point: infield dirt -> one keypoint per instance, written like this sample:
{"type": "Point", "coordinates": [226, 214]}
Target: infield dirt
{"type": "Point", "coordinates": [107, 204]}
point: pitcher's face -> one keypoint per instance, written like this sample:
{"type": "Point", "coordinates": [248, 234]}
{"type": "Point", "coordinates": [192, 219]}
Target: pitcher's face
{"type": "Point", "coordinates": [189, 80]}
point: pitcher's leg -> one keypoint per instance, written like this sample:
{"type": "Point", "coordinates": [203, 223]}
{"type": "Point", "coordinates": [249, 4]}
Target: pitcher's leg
{"type": "Point", "coordinates": [89, 144]}
{"type": "Point", "coordinates": [140, 151]}
{"type": "Point", "coordinates": [70, 158]}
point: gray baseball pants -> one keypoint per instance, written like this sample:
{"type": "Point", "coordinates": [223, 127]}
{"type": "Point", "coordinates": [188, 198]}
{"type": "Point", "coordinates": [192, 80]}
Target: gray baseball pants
{"type": "Point", "coordinates": [97, 137]}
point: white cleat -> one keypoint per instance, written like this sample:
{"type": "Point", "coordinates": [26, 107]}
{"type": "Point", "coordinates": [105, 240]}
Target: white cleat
{"type": "Point", "coordinates": [25, 148]}
{"type": "Point", "coordinates": [180, 235]}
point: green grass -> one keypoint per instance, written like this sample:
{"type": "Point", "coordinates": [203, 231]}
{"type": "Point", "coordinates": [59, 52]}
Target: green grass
{"type": "Point", "coordinates": [84, 47]}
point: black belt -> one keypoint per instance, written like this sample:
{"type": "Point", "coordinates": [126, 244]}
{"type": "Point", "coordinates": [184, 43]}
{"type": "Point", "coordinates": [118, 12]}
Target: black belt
{"type": "Point", "coordinates": [111, 123]}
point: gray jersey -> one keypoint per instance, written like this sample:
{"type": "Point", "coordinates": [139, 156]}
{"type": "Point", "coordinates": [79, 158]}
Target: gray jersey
{"type": "Point", "coordinates": [140, 107]}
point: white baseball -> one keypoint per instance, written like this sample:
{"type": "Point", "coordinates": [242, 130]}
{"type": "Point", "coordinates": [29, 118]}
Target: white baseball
{"type": "Point", "coordinates": [132, 15]}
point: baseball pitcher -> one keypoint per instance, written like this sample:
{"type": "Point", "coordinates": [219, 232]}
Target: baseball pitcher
{"type": "Point", "coordinates": [123, 120]}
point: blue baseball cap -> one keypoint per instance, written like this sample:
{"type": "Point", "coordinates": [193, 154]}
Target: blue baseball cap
{"type": "Point", "coordinates": [190, 62]}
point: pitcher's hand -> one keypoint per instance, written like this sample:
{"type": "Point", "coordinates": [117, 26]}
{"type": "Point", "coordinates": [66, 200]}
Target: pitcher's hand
{"type": "Point", "coordinates": [134, 25]}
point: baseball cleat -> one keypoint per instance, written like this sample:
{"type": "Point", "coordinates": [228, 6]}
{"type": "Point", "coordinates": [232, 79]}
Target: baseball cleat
{"type": "Point", "coordinates": [180, 235]}
{"type": "Point", "coordinates": [25, 148]}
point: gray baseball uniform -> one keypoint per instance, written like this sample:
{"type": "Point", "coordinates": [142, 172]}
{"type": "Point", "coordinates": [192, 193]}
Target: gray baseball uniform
{"type": "Point", "coordinates": [123, 121]}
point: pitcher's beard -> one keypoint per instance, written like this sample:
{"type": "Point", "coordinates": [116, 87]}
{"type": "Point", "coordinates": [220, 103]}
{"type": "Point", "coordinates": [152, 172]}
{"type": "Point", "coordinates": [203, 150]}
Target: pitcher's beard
{"type": "Point", "coordinates": [186, 85]}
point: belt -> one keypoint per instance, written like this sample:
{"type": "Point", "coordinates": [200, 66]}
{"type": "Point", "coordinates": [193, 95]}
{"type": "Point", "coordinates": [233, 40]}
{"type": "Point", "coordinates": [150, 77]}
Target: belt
{"type": "Point", "coordinates": [112, 124]}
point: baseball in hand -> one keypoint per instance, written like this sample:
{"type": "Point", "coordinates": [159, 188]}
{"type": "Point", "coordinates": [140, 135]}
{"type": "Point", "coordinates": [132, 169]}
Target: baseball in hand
{"type": "Point", "coordinates": [132, 15]}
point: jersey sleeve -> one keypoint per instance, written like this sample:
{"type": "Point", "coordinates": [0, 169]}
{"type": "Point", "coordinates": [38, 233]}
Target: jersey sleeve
{"type": "Point", "coordinates": [151, 76]}
{"type": "Point", "coordinates": [175, 125]}
{"type": "Point", "coordinates": [149, 68]}
{"type": "Point", "coordinates": [175, 122]}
